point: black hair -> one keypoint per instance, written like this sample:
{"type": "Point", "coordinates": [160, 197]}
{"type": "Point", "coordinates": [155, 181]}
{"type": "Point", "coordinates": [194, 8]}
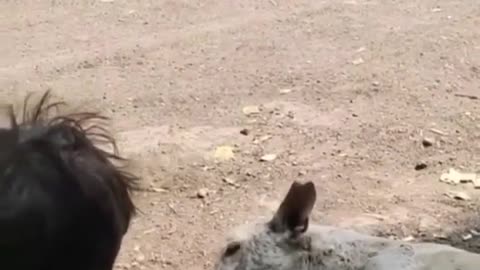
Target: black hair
{"type": "Point", "coordinates": [65, 203]}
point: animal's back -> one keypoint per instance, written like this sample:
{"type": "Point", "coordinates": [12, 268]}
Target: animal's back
{"type": "Point", "coordinates": [442, 257]}
{"type": "Point", "coordinates": [375, 253]}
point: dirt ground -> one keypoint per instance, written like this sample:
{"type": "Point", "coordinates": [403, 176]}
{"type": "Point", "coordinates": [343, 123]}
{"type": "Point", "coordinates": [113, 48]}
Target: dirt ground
{"type": "Point", "coordinates": [346, 92]}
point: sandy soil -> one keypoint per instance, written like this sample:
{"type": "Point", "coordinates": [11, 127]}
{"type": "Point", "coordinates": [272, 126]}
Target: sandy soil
{"type": "Point", "coordinates": [346, 91]}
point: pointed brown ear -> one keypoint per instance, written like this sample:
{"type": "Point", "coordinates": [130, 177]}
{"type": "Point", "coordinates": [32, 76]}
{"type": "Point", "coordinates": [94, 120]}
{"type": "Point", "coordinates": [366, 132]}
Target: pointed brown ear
{"type": "Point", "coordinates": [294, 212]}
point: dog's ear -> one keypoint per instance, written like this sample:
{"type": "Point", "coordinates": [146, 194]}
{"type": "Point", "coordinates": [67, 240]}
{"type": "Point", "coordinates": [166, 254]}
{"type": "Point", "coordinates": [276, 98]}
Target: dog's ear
{"type": "Point", "coordinates": [294, 211]}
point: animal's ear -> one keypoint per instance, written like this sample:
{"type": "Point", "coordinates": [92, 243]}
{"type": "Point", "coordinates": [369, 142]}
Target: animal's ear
{"type": "Point", "coordinates": [294, 212]}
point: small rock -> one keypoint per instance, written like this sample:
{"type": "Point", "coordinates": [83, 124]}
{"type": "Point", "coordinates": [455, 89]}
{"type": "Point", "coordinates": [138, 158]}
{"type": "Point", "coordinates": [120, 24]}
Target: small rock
{"type": "Point", "coordinates": [223, 153]}
{"type": "Point", "coordinates": [376, 83]}
{"type": "Point", "coordinates": [427, 142]}
{"type": "Point", "coordinates": [285, 91]}
{"type": "Point", "coordinates": [467, 237]}
{"type": "Point", "coordinates": [358, 61]}
{"type": "Point", "coordinates": [158, 190]}
{"type": "Point", "coordinates": [268, 158]}
{"type": "Point", "coordinates": [202, 193]}
{"type": "Point", "coordinates": [439, 132]}
{"type": "Point", "coordinates": [262, 139]}
{"type": "Point", "coordinates": [302, 173]}
{"type": "Point", "coordinates": [250, 110]}
{"type": "Point", "coordinates": [458, 195]}
{"type": "Point", "coordinates": [167, 262]}
{"type": "Point", "coordinates": [420, 166]}
{"type": "Point", "coordinates": [230, 181]}
{"type": "Point", "coordinates": [244, 132]}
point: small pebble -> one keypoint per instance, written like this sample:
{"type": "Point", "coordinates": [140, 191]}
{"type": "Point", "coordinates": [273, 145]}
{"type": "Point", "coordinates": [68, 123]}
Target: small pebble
{"type": "Point", "coordinates": [420, 166]}
{"type": "Point", "coordinates": [285, 91]}
{"type": "Point", "coordinates": [250, 110]}
{"type": "Point", "coordinates": [244, 132]}
{"type": "Point", "coordinates": [427, 142]}
{"type": "Point", "coordinates": [358, 61]}
{"type": "Point", "coordinates": [269, 157]}
{"type": "Point", "coordinates": [467, 237]}
{"type": "Point", "coordinates": [230, 181]}
{"type": "Point", "coordinates": [202, 193]}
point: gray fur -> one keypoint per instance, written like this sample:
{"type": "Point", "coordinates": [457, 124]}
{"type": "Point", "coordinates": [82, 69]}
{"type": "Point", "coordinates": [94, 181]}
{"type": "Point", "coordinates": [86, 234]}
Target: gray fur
{"type": "Point", "coordinates": [263, 246]}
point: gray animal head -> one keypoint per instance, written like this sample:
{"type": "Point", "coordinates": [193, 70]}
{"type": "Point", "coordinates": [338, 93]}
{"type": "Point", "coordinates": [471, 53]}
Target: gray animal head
{"type": "Point", "coordinates": [281, 243]}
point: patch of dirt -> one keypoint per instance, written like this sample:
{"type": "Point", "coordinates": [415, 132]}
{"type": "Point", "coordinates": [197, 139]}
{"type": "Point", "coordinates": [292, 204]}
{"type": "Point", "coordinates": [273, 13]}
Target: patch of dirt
{"type": "Point", "coordinates": [366, 82]}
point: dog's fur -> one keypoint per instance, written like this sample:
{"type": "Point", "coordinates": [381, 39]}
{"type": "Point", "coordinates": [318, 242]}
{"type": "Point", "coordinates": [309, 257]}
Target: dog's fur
{"type": "Point", "coordinates": [289, 242]}
{"type": "Point", "coordinates": [64, 202]}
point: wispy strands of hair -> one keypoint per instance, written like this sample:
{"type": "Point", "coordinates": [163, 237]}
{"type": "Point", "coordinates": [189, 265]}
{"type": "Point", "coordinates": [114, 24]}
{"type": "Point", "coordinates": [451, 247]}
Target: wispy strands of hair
{"type": "Point", "coordinates": [92, 125]}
